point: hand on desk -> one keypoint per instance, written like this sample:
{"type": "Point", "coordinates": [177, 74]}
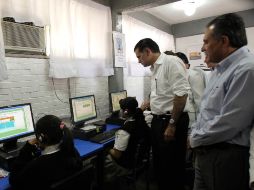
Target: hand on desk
{"type": "Point", "coordinates": [33, 141]}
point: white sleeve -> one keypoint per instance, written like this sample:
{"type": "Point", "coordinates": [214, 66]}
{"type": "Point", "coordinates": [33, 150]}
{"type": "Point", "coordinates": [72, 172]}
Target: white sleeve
{"type": "Point", "coordinates": [197, 85]}
{"type": "Point", "coordinates": [252, 155]}
{"type": "Point", "coordinates": [121, 140]}
{"type": "Point", "coordinates": [178, 74]}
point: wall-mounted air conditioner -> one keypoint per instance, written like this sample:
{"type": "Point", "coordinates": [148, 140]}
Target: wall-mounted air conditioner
{"type": "Point", "coordinates": [23, 39]}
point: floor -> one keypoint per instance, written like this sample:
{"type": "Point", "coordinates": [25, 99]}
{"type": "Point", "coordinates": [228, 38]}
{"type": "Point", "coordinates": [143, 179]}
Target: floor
{"type": "Point", "coordinates": [141, 182]}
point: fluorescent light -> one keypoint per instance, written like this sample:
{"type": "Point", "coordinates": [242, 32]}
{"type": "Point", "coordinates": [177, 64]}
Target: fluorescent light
{"type": "Point", "coordinates": [188, 6]}
{"type": "Point", "coordinates": [190, 11]}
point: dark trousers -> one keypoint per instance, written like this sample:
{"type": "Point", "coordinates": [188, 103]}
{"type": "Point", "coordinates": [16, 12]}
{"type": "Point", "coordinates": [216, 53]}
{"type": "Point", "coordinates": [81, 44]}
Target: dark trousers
{"type": "Point", "coordinates": [169, 157]}
{"type": "Point", "coordinates": [221, 166]}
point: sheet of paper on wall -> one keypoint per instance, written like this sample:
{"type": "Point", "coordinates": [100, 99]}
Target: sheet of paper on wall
{"type": "Point", "coordinates": [119, 49]}
{"type": "Point", "coordinates": [195, 56]}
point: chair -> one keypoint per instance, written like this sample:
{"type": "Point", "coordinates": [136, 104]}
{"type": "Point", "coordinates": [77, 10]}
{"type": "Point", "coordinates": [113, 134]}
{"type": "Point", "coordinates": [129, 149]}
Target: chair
{"type": "Point", "coordinates": [142, 164]}
{"type": "Point", "coordinates": [82, 179]}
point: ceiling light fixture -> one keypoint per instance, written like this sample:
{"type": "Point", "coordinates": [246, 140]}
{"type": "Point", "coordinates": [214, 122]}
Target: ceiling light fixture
{"type": "Point", "coordinates": [189, 7]}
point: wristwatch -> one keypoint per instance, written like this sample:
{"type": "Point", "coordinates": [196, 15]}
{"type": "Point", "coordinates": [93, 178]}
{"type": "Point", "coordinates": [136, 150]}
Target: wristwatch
{"type": "Point", "coordinates": [171, 121]}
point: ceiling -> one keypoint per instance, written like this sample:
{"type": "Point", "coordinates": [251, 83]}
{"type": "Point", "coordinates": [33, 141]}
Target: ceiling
{"type": "Point", "coordinates": [171, 13]}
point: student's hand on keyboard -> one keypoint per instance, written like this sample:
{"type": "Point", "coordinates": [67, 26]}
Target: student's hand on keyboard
{"type": "Point", "coordinates": [33, 141]}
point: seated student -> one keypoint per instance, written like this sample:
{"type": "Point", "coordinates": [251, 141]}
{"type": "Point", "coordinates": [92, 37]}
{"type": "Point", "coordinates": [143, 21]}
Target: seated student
{"type": "Point", "coordinates": [58, 158]}
{"type": "Point", "coordinates": [121, 157]}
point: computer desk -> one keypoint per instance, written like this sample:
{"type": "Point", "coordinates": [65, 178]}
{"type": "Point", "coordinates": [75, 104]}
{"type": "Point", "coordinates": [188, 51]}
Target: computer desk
{"type": "Point", "coordinates": [86, 150]}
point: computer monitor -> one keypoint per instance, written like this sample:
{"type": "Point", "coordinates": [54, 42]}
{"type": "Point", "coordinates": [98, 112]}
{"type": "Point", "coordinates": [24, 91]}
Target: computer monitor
{"type": "Point", "coordinates": [114, 99]}
{"type": "Point", "coordinates": [82, 109]}
{"type": "Point", "coordinates": [16, 121]}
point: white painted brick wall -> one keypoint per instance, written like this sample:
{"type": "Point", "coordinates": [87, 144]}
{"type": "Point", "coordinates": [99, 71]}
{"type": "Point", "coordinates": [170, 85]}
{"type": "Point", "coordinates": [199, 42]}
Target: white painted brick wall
{"type": "Point", "coordinates": [28, 81]}
{"type": "Point", "coordinates": [139, 87]}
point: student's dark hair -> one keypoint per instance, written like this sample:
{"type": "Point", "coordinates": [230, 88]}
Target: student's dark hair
{"type": "Point", "coordinates": [147, 43]}
{"type": "Point", "coordinates": [50, 130]}
{"type": "Point", "coordinates": [139, 116]}
{"type": "Point", "coordinates": [232, 26]}
{"type": "Point", "coordinates": [169, 52]}
{"type": "Point", "coordinates": [131, 104]}
{"type": "Point", "coordinates": [183, 57]}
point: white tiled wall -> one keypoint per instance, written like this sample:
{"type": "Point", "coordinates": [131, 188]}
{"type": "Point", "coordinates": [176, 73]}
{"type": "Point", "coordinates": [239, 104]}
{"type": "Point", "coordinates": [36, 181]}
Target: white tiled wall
{"type": "Point", "coordinates": [28, 81]}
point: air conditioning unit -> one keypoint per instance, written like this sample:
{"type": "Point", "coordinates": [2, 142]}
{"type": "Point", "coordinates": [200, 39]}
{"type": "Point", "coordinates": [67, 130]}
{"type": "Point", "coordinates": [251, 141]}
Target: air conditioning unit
{"type": "Point", "coordinates": [23, 39]}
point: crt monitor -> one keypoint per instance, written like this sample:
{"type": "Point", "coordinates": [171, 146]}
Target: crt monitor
{"type": "Point", "coordinates": [114, 99]}
{"type": "Point", "coordinates": [16, 121]}
{"type": "Point", "coordinates": [82, 109]}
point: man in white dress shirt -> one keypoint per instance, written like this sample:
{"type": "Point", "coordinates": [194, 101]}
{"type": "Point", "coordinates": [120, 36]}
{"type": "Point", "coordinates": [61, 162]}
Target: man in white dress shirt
{"type": "Point", "coordinates": [169, 91]}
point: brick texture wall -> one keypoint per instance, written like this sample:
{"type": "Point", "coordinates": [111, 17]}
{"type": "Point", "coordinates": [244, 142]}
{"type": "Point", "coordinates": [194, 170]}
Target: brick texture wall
{"type": "Point", "coordinates": [28, 82]}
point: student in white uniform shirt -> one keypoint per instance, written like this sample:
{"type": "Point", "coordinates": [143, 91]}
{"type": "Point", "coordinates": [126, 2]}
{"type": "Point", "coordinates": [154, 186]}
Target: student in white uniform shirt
{"type": "Point", "coordinates": [197, 79]}
{"type": "Point", "coordinates": [121, 157]}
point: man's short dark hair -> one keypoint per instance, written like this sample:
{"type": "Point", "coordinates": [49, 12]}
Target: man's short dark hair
{"type": "Point", "coordinates": [232, 26]}
{"type": "Point", "coordinates": [147, 43]}
{"type": "Point", "coordinates": [183, 57]}
{"type": "Point", "coordinates": [169, 52]}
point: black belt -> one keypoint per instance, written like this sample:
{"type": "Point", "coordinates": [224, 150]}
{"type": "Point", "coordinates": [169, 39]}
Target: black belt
{"type": "Point", "coordinates": [162, 116]}
{"type": "Point", "coordinates": [218, 146]}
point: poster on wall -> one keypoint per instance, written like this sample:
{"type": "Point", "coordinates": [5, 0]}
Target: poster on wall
{"type": "Point", "coordinates": [119, 49]}
{"type": "Point", "coordinates": [195, 56]}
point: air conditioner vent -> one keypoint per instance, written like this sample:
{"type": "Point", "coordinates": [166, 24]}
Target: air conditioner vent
{"type": "Point", "coordinates": [23, 38]}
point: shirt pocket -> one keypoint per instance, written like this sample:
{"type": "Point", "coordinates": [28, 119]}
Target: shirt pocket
{"type": "Point", "coordinates": [216, 98]}
{"type": "Point", "coordinates": [160, 86]}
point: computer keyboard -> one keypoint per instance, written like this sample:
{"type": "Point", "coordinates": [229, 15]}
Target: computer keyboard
{"type": "Point", "coordinates": [104, 137]}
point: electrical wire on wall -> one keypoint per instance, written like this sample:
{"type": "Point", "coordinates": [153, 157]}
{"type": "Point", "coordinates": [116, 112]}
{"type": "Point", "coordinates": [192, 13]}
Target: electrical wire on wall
{"type": "Point", "coordinates": [99, 112]}
{"type": "Point", "coordinates": [74, 90]}
{"type": "Point", "coordinates": [69, 87]}
{"type": "Point", "coordinates": [56, 93]}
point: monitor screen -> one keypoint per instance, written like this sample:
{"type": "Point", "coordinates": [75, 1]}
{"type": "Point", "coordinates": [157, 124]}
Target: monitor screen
{"type": "Point", "coordinates": [82, 109]}
{"type": "Point", "coordinates": [16, 121]}
{"type": "Point", "coordinates": [115, 97]}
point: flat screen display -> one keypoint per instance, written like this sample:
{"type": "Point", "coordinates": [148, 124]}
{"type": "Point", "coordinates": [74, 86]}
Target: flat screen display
{"type": "Point", "coordinates": [115, 97]}
{"type": "Point", "coordinates": [16, 121]}
{"type": "Point", "coordinates": [83, 109]}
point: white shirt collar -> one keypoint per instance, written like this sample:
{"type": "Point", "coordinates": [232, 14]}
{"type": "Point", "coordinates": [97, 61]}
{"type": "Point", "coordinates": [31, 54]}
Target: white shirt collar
{"type": "Point", "coordinates": [158, 62]}
{"type": "Point", "coordinates": [51, 149]}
